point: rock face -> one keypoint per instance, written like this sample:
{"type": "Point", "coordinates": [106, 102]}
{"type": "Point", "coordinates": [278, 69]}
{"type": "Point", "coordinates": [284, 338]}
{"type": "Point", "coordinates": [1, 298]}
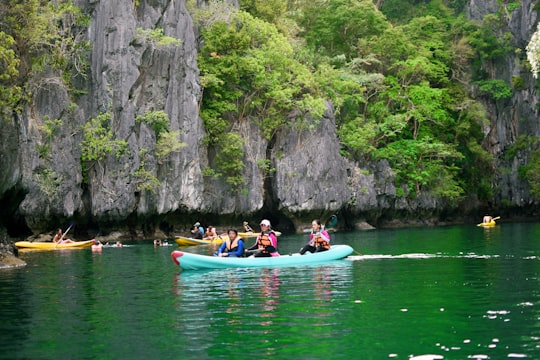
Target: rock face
{"type": "Point", "coordinates": [130, 75]}
{"type": "Point", "coordinates": [518, 115]}
{"type": "Point", "coordinates": [7, 259]}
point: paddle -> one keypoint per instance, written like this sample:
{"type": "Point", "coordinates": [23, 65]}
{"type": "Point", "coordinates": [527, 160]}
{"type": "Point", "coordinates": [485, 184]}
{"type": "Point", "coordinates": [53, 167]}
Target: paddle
{"type": "Point", "coordinates": [495, 218]}
{"type": "Point", "coordinates": [331, 222]}
{"type": "Point", "coordinates": [65, 233]}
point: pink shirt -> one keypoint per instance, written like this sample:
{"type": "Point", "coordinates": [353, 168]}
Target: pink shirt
{"type": "Point", "coordinates": [323, 234]}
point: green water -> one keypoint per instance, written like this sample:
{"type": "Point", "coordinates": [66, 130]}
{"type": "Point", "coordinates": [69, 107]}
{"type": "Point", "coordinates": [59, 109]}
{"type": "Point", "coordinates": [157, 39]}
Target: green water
{"type": "Point", "coordinates": [457, 292]}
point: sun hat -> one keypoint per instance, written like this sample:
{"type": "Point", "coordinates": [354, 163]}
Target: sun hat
{"type": "Point", "coordinates": [265, 222]}
{"type": "Point", "coordinates": [197, 224]}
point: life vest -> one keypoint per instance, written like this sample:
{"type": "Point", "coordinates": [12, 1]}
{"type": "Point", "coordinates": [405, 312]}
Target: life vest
{"type": "Point", "coordinates": [232, 246]}
{"type": "Point", "coordinates": [319, 241]}
{"type": "Point", "coordinates": [263, 240]}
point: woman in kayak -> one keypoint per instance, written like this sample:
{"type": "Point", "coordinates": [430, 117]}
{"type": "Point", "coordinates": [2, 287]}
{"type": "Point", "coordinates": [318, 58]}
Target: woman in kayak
{"type": "Point", "coordinates": [246, 226]}
{"type": "Point", "coordinates": [233, 246]}
{"type": "Point", "coordinates": [59, 238]}
{"type": "Point", "coordinates": [266, 243]}
{"type": "Point", "coordinates": [319, 240]}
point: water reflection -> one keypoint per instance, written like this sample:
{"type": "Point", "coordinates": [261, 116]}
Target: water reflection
{"type": "Point", "coordinates": [269, 293]}
{"type": "Point", "coordinates": [261, 303]}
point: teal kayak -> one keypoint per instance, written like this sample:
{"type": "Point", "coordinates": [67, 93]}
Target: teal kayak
{"type": "Point", "coordinates": [190, 261]}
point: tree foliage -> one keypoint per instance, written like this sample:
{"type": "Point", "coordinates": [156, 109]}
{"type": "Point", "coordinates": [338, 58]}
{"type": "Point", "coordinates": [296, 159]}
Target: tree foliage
{"type": "Point", "coordinates": [10, 93]}
{"type": "Point", "coordinates": [398, 89]}
{"type": "Point", "coordinates": [48, 41]}
{"type": "Point", "coordinates": [99, 141]}
{"type": "Point", "coordinates": [250, 74]}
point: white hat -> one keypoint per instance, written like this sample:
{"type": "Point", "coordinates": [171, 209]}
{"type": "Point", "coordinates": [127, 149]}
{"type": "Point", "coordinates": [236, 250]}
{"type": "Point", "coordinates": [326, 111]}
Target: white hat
{"type": "Point", "coordinates": [265, 222]}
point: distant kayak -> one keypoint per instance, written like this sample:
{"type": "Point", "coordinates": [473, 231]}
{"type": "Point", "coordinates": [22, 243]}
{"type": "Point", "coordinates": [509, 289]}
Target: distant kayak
{"type": "Point", "coordinates": [254, 234]}
{"type": "Point", "coordinates": [187, 241]}
{"type": "Point", "coordinates": [488, 224]}
{"type": "Point", "coordinates": [53, 246]}
{"type": "Point", "coordinates": [190, 261]}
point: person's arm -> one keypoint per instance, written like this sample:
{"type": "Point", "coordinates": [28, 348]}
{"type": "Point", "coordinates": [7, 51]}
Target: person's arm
{"type": "Point", "coordinates": [273, 239]}
{"type": "Point", "coordinates": [311, 238]}
{"type": "Point", "coordinates": [254, 246]}
{"type": "Point", "coordinates": [222, 248]}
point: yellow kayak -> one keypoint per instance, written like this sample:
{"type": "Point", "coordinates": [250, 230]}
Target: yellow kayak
{"type": "Point", "coordinates": [52, 246]}
{"type": "Point", "coordinates": [488, 224]}
{"type": "Point", "coordinates": [187, 241]}
{"type": "Point", "coordinates": [254, 234]}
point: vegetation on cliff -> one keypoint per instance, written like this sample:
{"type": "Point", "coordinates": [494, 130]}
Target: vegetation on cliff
{"type": "Point", "coordinates": [399, 75]}
{"type": "Point", "coordinates": [399, 84]}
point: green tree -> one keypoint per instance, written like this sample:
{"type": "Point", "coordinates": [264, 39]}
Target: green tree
{"type": "Point", "coordinates": [250, 74]}
{"type": "Point", "coordinates": [48, 36]}
{"type": "Point", "coordinates": [335, 27]}
{"type": "Point", "coordinates": [424, 165]}
{"type": "Point", "coordinates": [9, 92]}
{"type": "Point", "coordinates": [99, 142]}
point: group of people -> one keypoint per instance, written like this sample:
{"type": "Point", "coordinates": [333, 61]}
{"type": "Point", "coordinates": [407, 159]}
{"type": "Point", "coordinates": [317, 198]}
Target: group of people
{"type": "Point", "coordinates": [158, 242]}
{"type": "Point", "coordinates": [266, 244]}
{"type": "Point", "coordinates": [97, 245]}
{"type": "Point", "coordinates": [60, 238]}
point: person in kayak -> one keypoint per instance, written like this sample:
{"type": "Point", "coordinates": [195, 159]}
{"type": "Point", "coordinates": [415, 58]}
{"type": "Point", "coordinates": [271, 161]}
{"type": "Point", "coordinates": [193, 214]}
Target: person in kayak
{"type": "Point", "coordinates": [210, 233]}
{"type": "Point", "coordinates": [197, 231]}
{"type": "Point", "coordinates": [233, 246]}
{"type": "Point", "coordinates": [59, 238]}
{"type": "Point", "coordinates": [266, 243]}
{"type": "Point", "coordinates": [319, 239]}
{"type": "Point", "coordinates": [487, 219]}
{"type": "Point", "coordinates": [246, 226]}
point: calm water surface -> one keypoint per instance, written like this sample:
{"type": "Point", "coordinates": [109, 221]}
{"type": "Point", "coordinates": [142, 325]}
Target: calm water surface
{"type": "Point", "coordinates": [458, 292]}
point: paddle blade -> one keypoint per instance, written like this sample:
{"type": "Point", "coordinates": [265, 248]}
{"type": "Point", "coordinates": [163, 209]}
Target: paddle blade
{"type": "Point", "coordinates": [331, 222]}
{"type": "Point", "coordinates": [69, 228]}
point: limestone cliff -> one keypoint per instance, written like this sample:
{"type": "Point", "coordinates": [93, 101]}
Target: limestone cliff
{"type": "Point", "coordinates": [511, 118]}
{"type": "Point", "coordinates": [129, 76]}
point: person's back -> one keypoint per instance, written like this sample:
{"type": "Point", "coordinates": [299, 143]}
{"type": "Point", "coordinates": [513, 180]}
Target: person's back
{"type": "Point", "coordinates": [197, 231]}
{"type": "Point", "coordinates": [210, 233]}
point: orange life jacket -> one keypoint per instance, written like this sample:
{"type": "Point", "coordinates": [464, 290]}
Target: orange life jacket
{"type": "Point", "coordinates": [319, 241]}
{"type": "Point", "coordinates": [263, 241]}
